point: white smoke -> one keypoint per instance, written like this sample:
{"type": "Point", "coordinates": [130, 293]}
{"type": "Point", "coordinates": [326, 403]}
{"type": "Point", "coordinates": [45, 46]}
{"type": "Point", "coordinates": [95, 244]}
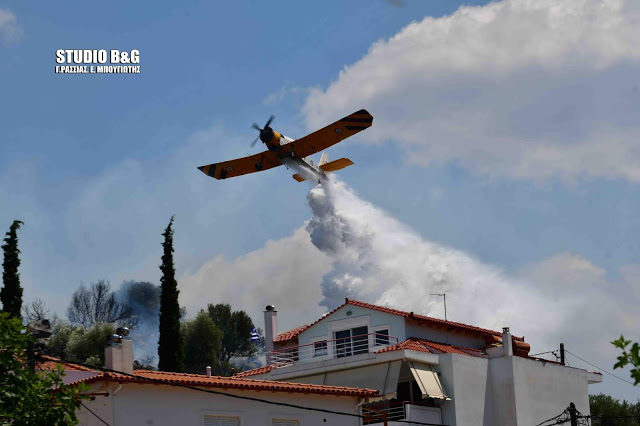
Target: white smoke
{"type": "Point", "coordinates": [378, 260]}
{"type": "Point", "coordinates": [351, 248]}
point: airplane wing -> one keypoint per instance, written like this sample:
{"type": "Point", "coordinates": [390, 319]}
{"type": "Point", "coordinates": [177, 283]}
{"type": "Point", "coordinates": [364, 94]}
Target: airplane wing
{"type": "Point", "coordinates": [241, 166]}
{"type": "Point", "coordinates": [331, 134]}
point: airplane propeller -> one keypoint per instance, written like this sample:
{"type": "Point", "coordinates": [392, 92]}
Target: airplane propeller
{"type": "Point", "coordinates": [266, 126]}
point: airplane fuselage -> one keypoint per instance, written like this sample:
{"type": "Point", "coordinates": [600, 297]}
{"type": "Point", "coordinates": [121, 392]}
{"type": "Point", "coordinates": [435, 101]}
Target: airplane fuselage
{"type": "Point", "coordinates": [273, 140]}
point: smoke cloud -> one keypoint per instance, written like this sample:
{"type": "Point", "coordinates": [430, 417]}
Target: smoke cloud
{"type": "Point", "coordinates": [352, 248]}
{"type": "Point", "coordinates": [377, 259]}
{"type": "Point", "coordinates": [143, 300]}
{"type": "Point", "coordinates": [380, 260]}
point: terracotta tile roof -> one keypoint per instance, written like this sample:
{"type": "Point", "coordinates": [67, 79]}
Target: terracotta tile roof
{"type": "Point", "coordinates": [163, 377]}
{"type": "Point", "coordinates": [254, 371]}
{"type": "Point", "coordinates": [452, 325]}
{"type": "Point", "coordinates": [169, 378]}
{"type": "Point", "coordinates": [288, 335]}
{"type": "Point", "coordinates": [431, 347]}
{"type": "Point", "coordinates": [50, 363]}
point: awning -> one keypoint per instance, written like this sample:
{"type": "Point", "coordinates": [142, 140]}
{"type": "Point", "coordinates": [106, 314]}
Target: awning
{"type": "Point", "coordinates": [428, 381]}
{"type": "Point", "coordinates": [383, 377]}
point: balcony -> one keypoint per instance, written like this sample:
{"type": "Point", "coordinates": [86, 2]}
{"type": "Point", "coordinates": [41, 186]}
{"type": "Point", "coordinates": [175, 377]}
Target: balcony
{"type": "Point", "coordinates": [388, 413]}
{"type": "Point", "coordinates": [321, 350]}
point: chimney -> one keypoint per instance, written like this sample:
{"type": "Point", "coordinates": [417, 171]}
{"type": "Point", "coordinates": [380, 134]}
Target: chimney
{"type": "Point", "coordinates": [270, 329]}
{"type": "Point", "coordinates": [118, 355]}
{"type": "Point", "coordinates": [208, 371]}
{"type": "Point", "coordinates": [507, 342]}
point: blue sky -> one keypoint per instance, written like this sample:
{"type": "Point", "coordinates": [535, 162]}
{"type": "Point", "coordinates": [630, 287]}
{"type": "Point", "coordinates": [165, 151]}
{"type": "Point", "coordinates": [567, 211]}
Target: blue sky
{"type": "Point", "coordinates": [520, 154]}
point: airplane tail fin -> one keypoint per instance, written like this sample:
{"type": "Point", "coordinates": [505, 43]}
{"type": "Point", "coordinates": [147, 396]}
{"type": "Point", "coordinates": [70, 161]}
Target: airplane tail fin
{"type": "Point", "coordinates": [299, 178]}
{"type": "Point", "coordinates": [324, 159]}
{"type": "Point", "coordinates": [338, 164]}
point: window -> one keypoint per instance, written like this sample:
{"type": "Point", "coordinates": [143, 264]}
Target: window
{"type": "Point", "coordinates": [320, 348]}
{"type": "Point", "coordinates": [354, 341]}
{"type": "Point", "coordinates": [221, 421]}
{"type": "Point", "coordinates": [382, 337]}
{"type": "Point", "coordinates": [284, 422]}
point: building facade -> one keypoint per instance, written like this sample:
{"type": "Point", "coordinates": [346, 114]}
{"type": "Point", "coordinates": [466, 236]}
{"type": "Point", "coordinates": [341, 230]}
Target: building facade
{"type": "Point", "coordinates": [425, 369]}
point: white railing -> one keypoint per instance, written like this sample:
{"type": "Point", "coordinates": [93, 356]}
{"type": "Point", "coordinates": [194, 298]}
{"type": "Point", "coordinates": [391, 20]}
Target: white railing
{"type": "Point", "coordinates": [330, 349]}
{"type": "Point", "coordinates": [383, 412]}
{"type": "Point", "coordinates": [389, 411]}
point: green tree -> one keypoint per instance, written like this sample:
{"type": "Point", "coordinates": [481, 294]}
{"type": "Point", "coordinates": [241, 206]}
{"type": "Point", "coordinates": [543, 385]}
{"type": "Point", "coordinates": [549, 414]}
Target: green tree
{"type": "Point", "coordinates": [201, 343]}
{"type": "Point", "coordinates": [630, 356]}
{"type": "Point", "coordinates": [27, 396]}
{"type": "Point", "coordinates": [608, 411]}
{"type": "Point", "coordinates": [236, 329]}
{"type": "Point", "coordinates": [11, 293]}
{"type": "Point", "coordinates": [87, 345]}
{"type": "Point", "coordinates": [78, 344]}
{"type": "Point", "coordinates": [57, 344]}
{"type": "Point", "coordinates": [170, 345]}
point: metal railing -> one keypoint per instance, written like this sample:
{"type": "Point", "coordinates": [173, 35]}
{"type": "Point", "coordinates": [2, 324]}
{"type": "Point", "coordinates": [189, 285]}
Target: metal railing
{"type": "Point", "coordinates": [331, 349]}
{"type": "Point", "coordinates": [382, 412]}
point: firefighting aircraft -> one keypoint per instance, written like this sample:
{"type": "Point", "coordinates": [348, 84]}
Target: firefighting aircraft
{"type": "Point", "coordinates": [294, 153]}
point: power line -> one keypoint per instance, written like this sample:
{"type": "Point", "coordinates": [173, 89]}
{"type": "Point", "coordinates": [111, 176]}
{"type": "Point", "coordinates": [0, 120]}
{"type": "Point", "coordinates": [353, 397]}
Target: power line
{"type": "Point", "coordinates": [548, 420]}
{"type": "Point", "coordinates": [601, 369]}
{"type": "Point", "coordinates": [97, 416]}
{"type": "Point", "coordinates": [248, 398]}
{"type": "Point", "coordinates": [542, 353]}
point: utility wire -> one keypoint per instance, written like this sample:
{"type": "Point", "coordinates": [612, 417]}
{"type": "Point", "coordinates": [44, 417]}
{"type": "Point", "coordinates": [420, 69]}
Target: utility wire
{"type": "Point", "coordinates": [601, 369]}
{"type": "Point", "coordinates": [552, 418]}
{"type": "Point", "coordinates": [542, 353]}
{"type": "Point", "coordinates": [97, 416]}
{"type": "Point", "coordinates": [249, 398]}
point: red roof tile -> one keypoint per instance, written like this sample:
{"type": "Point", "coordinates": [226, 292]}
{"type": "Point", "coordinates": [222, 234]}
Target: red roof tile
{"type": "Point", "coordinates": [50, 363]}
{"type": "Point", "coordinates": [430, 347]}
{"type": "Point", "coordinates": [254, 371]}
{"type": "Point", "coordinates": [169, 378]}
{"type": "Point", "coordinates": [452, 325]}
{"type": "Point", "coordinates": [285, 336]}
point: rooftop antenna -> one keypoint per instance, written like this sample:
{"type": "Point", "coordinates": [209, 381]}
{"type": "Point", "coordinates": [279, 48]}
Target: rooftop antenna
{"type": "Point", "coordinates": [444, 297]}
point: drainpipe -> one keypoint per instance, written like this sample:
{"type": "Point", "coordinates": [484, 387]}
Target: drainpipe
{"type": "Point", "coordinates": [113, 403]}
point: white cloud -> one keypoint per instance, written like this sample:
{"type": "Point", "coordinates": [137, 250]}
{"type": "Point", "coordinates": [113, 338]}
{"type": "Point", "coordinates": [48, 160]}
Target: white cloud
{"type": "Point", "coordinates": [285, 273]}
{"type": "Point", "coordinates": [527, 89]}
{"type": "Point", "coordinates": [10, 31]}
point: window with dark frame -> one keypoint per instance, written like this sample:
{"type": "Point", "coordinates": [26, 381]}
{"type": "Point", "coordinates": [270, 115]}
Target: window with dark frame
{"type": "Point", "coordinates": [354, 341]}
{"type": "Point", "coordinates": [320, 348]}
{"type": "Point", "coordinates": [382, 337]}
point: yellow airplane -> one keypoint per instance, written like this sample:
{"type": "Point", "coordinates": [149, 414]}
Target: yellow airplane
{"type": "Point", "coordinates": [293, 153]}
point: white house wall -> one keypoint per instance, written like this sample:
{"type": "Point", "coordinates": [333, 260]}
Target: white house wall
{"type": "Point", "coordinates": [372, 318]}
{"type": "Point", "coordinates": [444, 336]}
{"type": "Point", "coordinates": [464, 380]}
{"type": "Point", "coordinates": [543, 390]}
{"type": "Point", "coordinates": [508, 391]}
{"type": "Point", "coordinates": [161, 405]}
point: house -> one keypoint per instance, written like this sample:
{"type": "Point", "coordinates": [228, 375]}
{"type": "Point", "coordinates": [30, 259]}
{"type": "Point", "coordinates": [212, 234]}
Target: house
{"type": "Point", "coordinates": [425, 369]}
{"type": "Point", "coordinates": [145, 397]}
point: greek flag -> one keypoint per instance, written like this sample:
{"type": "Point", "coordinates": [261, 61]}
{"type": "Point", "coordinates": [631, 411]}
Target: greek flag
{"type": "Point", "coordinates": [254, 335]}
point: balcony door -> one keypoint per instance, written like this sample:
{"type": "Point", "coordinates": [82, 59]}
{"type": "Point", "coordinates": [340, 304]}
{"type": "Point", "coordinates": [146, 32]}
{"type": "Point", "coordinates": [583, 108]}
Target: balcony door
{"type": "Point", "coordinates": [352, 341]}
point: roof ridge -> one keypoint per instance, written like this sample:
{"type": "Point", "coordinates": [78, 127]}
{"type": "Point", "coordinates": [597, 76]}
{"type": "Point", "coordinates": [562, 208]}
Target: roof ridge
{"type": "Point", "coordinates": [294, 332]}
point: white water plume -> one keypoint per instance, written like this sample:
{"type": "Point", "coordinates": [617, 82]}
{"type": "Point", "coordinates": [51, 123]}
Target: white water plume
{"type": "Point", "coordinates": [379, 260]}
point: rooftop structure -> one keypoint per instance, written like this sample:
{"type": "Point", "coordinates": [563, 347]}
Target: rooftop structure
{"type": "Point", "coordinates": [425, 369]}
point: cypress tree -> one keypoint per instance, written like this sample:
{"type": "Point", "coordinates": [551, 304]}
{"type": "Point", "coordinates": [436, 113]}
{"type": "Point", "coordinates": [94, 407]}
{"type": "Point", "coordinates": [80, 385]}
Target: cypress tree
{"type": "Point", "coordinates": [11, 293]}
{"type": "Point", "coordinates": [170, 347]}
